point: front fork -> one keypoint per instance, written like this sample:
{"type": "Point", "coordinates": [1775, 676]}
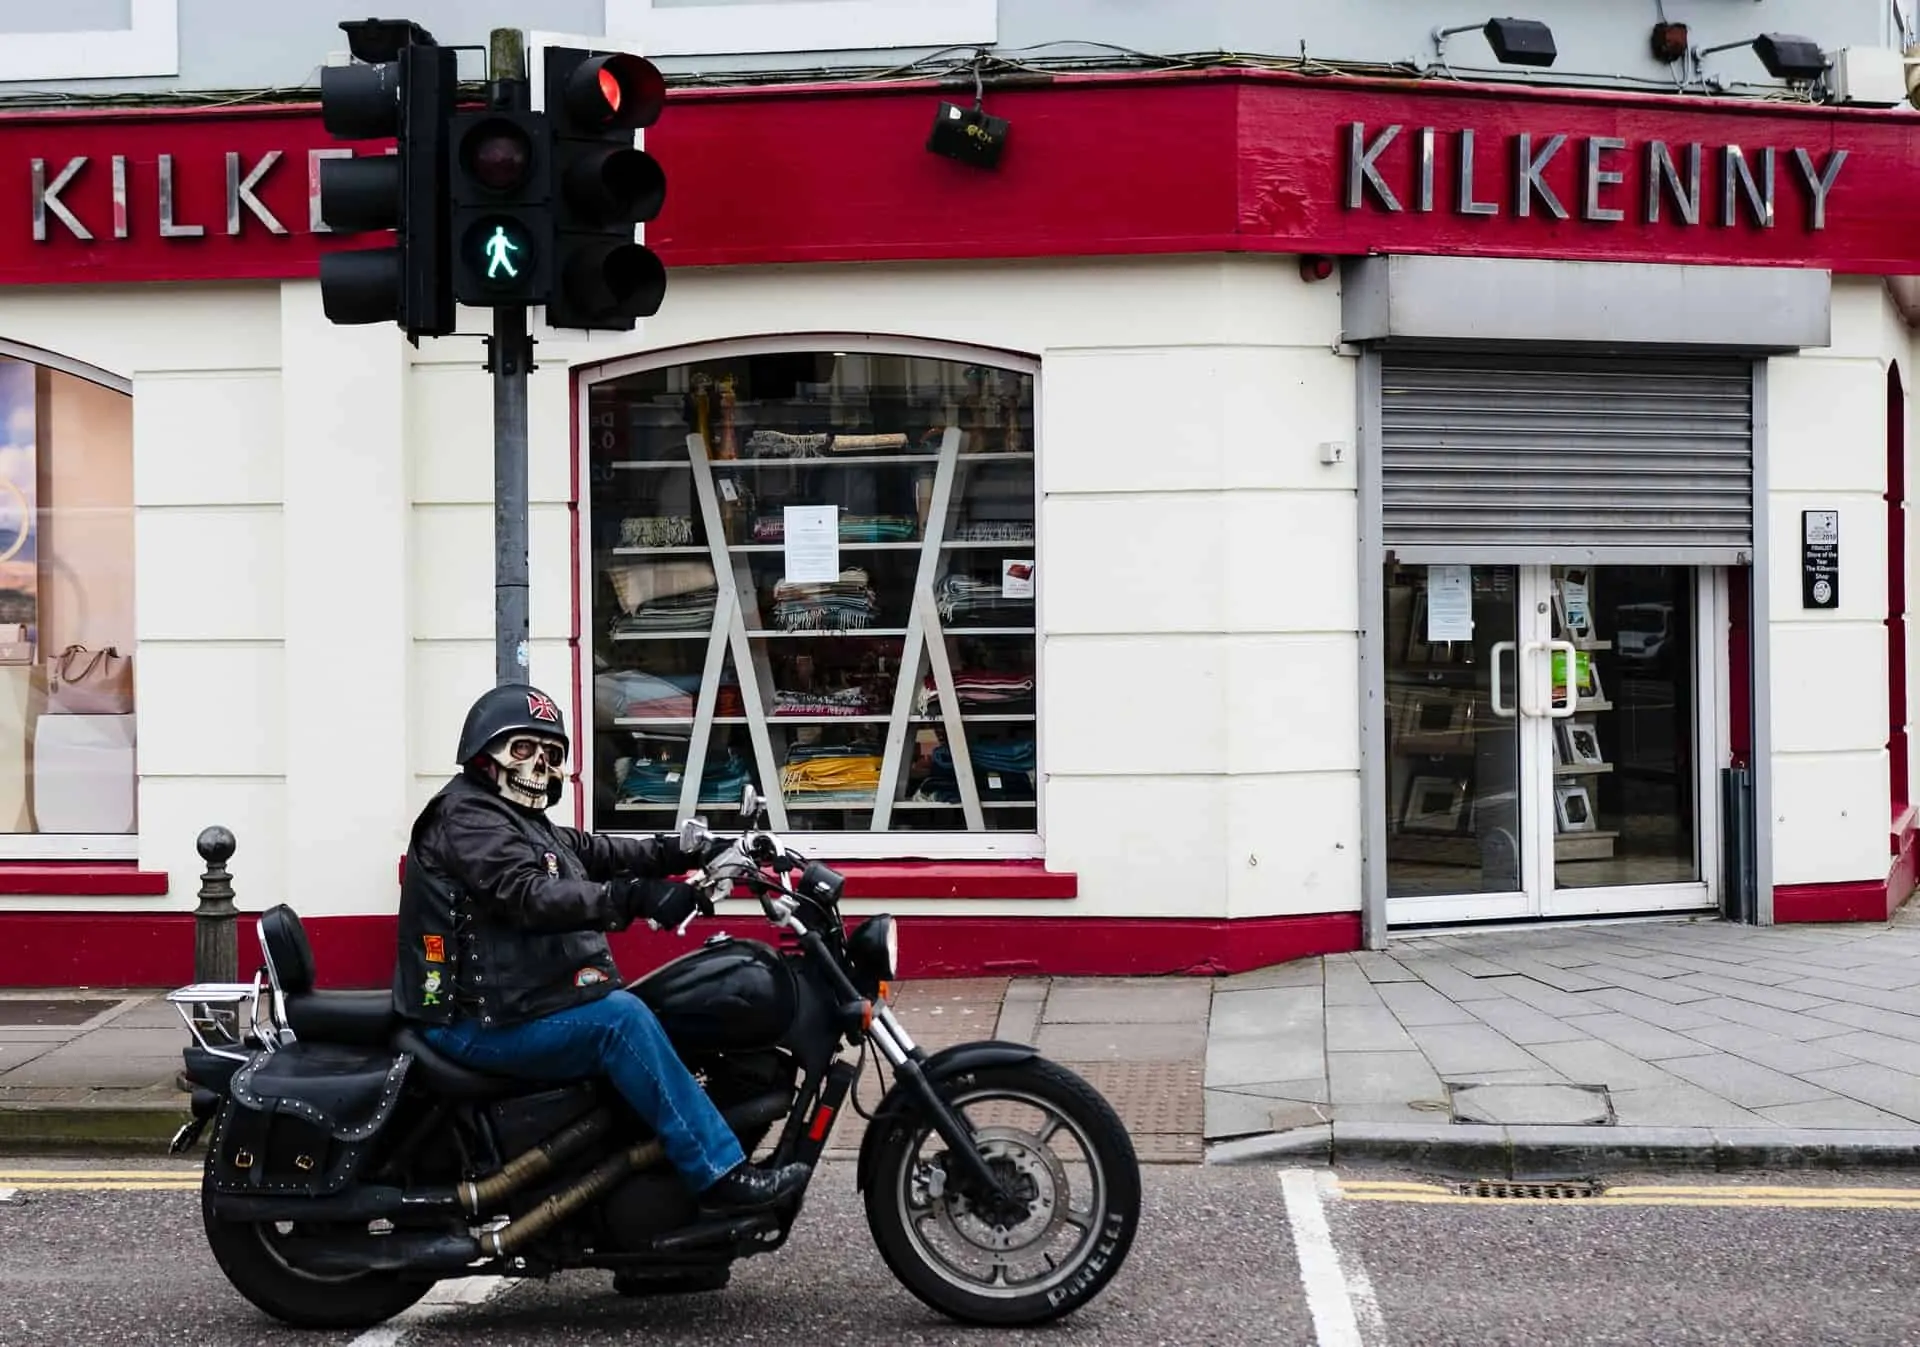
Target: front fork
{"type": "Point", "coordinates": [975, 1178]}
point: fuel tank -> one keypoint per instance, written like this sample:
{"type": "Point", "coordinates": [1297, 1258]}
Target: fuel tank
{"type": "Point", "coordinates": [731, 997]}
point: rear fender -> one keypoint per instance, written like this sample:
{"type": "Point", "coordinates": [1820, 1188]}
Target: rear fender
{"type": "Point", "coordinates": [899, 1105]}
{"type": "Point", "coordinates": [210, 1070]}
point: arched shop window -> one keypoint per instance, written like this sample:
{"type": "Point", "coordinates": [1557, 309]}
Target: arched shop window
{"type": "Point", "coordinates": [67, 773]}
{"type": "Point", "coordinates": [814, 570]}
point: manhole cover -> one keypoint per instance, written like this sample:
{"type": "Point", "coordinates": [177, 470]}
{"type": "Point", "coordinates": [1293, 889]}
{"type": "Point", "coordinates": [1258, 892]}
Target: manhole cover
{"type": "Point", "coordinates": [49, 1014]}
{"type": "Point", "coordinates": [1517, 1105]}
{"type": "Point", "coordinates": [1498, 1188]}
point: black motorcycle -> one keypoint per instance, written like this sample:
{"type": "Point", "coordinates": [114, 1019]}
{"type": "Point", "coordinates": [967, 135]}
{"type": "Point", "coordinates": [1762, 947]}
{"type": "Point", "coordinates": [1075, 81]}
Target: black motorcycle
{"type": "Point", "coordinates": [351, 1166]}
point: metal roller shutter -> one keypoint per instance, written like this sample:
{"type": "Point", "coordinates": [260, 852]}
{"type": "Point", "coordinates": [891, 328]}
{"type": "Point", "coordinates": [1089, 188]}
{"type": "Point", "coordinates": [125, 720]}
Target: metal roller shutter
{"type": "Point", "coordinates": [1559, 457]}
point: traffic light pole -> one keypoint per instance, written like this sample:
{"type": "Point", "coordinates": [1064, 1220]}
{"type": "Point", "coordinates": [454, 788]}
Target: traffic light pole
{"type": "Point", "coordinates": [509, 359]}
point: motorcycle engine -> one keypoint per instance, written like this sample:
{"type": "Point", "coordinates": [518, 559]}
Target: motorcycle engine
{"type": "Point", "coordinates": [648, 1205]}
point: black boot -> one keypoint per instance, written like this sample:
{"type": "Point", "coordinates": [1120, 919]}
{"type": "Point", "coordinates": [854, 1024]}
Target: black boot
{"type": "Point", "coordinates": [746, 1187]}
{"type": "Point", "coordinates": [635, 1283]}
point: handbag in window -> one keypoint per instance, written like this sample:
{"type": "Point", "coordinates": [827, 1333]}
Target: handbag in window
{"type": "Point", "coordinates": [82, 682]}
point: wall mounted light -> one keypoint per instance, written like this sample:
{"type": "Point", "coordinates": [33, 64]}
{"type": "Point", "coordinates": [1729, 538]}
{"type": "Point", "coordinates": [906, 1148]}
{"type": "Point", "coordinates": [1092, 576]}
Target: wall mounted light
{"type": "Point", "coordinates": [1514, 41]}
{"type": "Point", "coordinates": [968, 135]}
{"type": "Point", "coordinates": [1786, 56]}
{"type": "Point", "coordinates": [1315, 267]}
{"type": "Point", "coordinates": [1669, 41]}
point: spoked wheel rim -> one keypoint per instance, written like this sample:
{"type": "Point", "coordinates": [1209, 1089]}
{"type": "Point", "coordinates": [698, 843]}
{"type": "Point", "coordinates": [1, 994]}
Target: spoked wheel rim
{"type": "Point", "coordinates": [1067, 1199]}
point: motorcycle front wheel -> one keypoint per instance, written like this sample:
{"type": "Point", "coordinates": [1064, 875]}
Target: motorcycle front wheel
{"type": "Point", "coordinates": [1059, 1145]}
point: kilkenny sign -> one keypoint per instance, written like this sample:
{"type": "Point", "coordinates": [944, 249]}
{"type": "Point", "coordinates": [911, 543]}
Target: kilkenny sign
{"type": "Point", "coordinates": [1602, 179]}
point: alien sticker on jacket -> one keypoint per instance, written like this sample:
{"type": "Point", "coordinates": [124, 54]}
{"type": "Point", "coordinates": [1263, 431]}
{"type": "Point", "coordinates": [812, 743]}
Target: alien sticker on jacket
{"type": "Point", "coordinates": [431, 995]}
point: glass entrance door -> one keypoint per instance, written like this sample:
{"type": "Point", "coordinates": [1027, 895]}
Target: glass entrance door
{"type": "Point", "coordinates": [1545, 748]}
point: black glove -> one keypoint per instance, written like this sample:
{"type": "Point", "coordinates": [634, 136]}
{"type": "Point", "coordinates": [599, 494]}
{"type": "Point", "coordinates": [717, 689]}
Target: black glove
{"type": "Point", "coordinates": [679, 860]}
{"type": "Point", "coordinates": [664, 902]}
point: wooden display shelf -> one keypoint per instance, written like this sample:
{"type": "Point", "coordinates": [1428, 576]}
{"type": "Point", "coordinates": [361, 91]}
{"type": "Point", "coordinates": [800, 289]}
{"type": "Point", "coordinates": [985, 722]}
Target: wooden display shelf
{"type": "Point", "coordinates": [738, 631]}
{"type": "Point", "coordinates": [1593, 846]}
{"type": "Point", "coordinates": [1433, 849]}
{"type": "Point", "coordinates": [1582, 768]}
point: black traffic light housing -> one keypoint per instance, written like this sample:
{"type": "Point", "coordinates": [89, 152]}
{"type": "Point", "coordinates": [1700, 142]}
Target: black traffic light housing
{"type": "Point", "coordinates": [407, 94]}
{"type": "Point", "coordinates": [502, 220]}
{"type": "Point", "coordinates": [601, 187]}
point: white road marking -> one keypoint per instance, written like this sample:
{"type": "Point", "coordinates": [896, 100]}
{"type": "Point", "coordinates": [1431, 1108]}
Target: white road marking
{"type": "Point", "coordinates": [1330, 1297]}
{"type": "Point", "coordinates": [1366, 1305]}
{"type": "Point", "coordinates": [9, 1195]}
{"type": "Point", "coordinates": [444, 1297]}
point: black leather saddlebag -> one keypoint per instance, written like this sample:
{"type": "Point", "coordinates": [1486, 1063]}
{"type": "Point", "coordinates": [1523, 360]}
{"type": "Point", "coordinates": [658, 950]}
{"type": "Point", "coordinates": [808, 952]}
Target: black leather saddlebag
{"type": "Point", "coordinates": [303, 1119]}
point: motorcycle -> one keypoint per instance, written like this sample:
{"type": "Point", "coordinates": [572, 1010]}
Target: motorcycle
{"type": "Point", "coordinates": [351, 1166]}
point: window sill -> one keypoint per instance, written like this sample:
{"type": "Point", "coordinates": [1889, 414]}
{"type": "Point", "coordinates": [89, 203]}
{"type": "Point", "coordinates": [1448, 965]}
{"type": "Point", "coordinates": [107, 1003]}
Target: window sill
{"type": "Point", "coordinates": [81, 879]}
{"type": "Point", "coordinates": [907, 881]}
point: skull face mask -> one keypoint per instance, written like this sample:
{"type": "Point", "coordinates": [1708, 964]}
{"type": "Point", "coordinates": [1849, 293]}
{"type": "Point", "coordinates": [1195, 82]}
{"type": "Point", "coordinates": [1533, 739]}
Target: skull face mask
{"type": "Point", "coordinates": [525, 766]}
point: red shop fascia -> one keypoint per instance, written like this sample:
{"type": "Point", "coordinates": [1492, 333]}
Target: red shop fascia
{"type": "Point", "coordinates": [1095, 165]}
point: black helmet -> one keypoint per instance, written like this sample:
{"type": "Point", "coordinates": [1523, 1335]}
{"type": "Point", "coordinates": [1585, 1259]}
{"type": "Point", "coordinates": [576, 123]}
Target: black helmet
{"type": "Point", "coordinates": [512, 706]}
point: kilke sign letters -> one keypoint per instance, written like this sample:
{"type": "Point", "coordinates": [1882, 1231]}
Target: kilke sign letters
{"type": "Point", "coordinates": [1599, 178]}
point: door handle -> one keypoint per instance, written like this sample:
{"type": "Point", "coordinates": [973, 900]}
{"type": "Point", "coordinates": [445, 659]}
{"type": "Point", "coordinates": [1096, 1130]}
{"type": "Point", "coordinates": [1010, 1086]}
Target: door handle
{"type": "Point", "coordinates": [1527, 706]}
{"type": "Point", "coordinates": [1555, 711]}
{"type": "Point", "coordinates": [1500, 708]}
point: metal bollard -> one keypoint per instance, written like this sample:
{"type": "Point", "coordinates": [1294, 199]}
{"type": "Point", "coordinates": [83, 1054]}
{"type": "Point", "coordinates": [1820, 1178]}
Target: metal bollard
{"type": "Point", "coordinates": [216, 947]}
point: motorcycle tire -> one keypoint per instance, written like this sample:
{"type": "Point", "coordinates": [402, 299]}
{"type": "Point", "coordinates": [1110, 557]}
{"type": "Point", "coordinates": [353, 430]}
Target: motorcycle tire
{"type": "Point", "coordinates": [245, 1254]}
{"type": "Point", "coordinates": [1104, 1251]}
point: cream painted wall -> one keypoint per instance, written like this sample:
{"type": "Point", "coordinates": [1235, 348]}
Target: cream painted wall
{"type": "Point", "coordinates": [1827, 450]}
{"type": "Point", "coordinates": [313, 518]}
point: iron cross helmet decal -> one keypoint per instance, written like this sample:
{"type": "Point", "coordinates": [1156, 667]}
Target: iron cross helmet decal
{"type": "Point", "coordinates": [541, 707]}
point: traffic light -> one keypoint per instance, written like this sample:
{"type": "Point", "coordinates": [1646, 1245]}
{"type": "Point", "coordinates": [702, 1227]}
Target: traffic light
{"type": "Point", "coordinates": [403, 88]}
{"type": "Point", "coordinates": [603, 185]}
{"type": "Point", "coordinates": [502, 222]}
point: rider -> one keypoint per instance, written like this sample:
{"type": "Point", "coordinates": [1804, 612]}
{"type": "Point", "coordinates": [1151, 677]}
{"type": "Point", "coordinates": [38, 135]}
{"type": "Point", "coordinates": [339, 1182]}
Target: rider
{"type": "Point", "coordinates": [503, 952]}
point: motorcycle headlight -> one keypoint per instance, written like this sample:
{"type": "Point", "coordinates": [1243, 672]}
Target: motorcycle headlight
{"type": "Point", "coordinates": [874, 948]}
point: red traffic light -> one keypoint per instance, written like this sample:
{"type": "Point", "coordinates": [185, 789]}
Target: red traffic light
{"type": "Point", "coordinates": [617, 91]}
{"type": "Point", "coordinates": [497, 154]}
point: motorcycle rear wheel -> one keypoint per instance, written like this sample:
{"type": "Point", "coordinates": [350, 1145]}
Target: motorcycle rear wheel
{"type": "Point", "coordinates": [900, 1206]}
{"type": "Point", "coordinates": [248, 1257]}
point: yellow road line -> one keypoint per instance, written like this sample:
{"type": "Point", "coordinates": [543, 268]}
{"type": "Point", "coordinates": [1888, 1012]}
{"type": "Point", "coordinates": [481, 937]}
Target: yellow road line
{"type": "Point", "coordinates": [9, 1175]}
{"type": "Point", "coordinates": [1649, 1195]}
{"type": "Point", "coordinates": [106, 1186]}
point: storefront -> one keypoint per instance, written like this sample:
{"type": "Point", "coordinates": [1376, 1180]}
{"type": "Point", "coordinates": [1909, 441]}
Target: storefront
{"type": "Point", "coordinates": [1108, 577]}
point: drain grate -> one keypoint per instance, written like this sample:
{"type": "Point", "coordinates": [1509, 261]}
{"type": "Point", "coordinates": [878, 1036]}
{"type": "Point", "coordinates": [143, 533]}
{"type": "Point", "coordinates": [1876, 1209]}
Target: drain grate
{"type": "Point", "coordinates": [1506, 1188]}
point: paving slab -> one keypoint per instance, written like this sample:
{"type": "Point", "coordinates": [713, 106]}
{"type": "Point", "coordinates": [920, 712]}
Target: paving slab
{"type": "Point", "coordinates": [1381, 1078]}
{"type": "Point", "coordinates": [1415, 1003]}
{"type": "Point", "coordinates": [1522, 1023]}
{"type": "Point", "coordinates": [1127, 1001]}
{"type": "Point", "coordinates": [1647, 1041]}
{"type": "Point", "coordinates": [1745, 1083]}
{"type": "Point", "coordinates": [1470, 1049]}
{"type": "Point", "coordinates": [1123, 1042]}
{"type": "Point", "coordinates": [1364, 1029]}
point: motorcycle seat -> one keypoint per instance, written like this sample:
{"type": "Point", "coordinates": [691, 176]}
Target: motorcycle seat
{"type": "Point", "coordinates": [355, 1019]}
{"type": "Point", "coordinates": [450, 1080]}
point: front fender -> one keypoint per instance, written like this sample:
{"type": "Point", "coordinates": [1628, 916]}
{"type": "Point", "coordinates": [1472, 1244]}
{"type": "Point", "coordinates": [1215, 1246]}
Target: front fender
{"type": "Point", "coordinates": [898, 1104]}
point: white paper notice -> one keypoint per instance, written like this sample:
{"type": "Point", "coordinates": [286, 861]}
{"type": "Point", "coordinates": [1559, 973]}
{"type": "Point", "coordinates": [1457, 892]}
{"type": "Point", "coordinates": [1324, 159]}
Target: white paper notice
{"type": "Point", "coordinates": [1449, 603]}
{"type": "Point", "coordinates": [1016, 579]}
{"type": "Point", "coordinates": [812, 544]}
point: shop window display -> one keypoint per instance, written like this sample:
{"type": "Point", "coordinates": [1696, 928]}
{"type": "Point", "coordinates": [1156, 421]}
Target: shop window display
{"type": "Point", "coordinates": [66, 608]}
{"type": "Point", "coordinates": [816, 572]}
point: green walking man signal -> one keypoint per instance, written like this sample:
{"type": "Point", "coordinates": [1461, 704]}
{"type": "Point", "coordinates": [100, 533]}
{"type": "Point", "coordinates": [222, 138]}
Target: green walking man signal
{"type": "Point", "coordinates": [499, 248]}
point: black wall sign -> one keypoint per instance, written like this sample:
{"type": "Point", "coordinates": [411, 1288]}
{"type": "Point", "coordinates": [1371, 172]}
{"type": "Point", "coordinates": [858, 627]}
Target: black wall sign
{"type": "Point", "coordinates": [1819, 558]}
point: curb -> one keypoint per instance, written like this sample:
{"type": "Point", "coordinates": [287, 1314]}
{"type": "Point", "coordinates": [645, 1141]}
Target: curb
{"type": "Point", "coordinates": [1472, 1150]}
{"type": "Point", "coordinates": [28, 1128]}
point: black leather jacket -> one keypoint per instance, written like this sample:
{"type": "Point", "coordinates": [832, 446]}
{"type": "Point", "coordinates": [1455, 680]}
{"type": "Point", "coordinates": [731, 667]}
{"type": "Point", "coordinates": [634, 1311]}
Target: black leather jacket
{"type": "Point", "coordinates": [503, 915]}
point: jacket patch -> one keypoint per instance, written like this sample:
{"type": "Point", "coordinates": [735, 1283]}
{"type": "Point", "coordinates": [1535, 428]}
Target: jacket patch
{"type": "Point", "coordinates": [436, 947]}
{"type": "Point", "coordinates": [430, 994]}
{"type": "Point", "coordinates": [589, 977]}
{"type": "Point", "coordinates": [553, 865]}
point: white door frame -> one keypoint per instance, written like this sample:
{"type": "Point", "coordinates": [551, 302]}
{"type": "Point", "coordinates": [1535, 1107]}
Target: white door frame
{"type": "Point", "coordinates": [1528, 687]}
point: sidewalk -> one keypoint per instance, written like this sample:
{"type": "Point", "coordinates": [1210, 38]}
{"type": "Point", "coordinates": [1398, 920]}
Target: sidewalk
{"type": "Point", "coordinates": [1693, 1044]}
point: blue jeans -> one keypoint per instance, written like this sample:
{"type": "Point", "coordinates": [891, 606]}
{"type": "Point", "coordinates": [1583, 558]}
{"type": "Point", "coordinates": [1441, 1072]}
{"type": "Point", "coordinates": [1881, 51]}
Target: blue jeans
{"type": "Point", "coordinates": [619, 1037]}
